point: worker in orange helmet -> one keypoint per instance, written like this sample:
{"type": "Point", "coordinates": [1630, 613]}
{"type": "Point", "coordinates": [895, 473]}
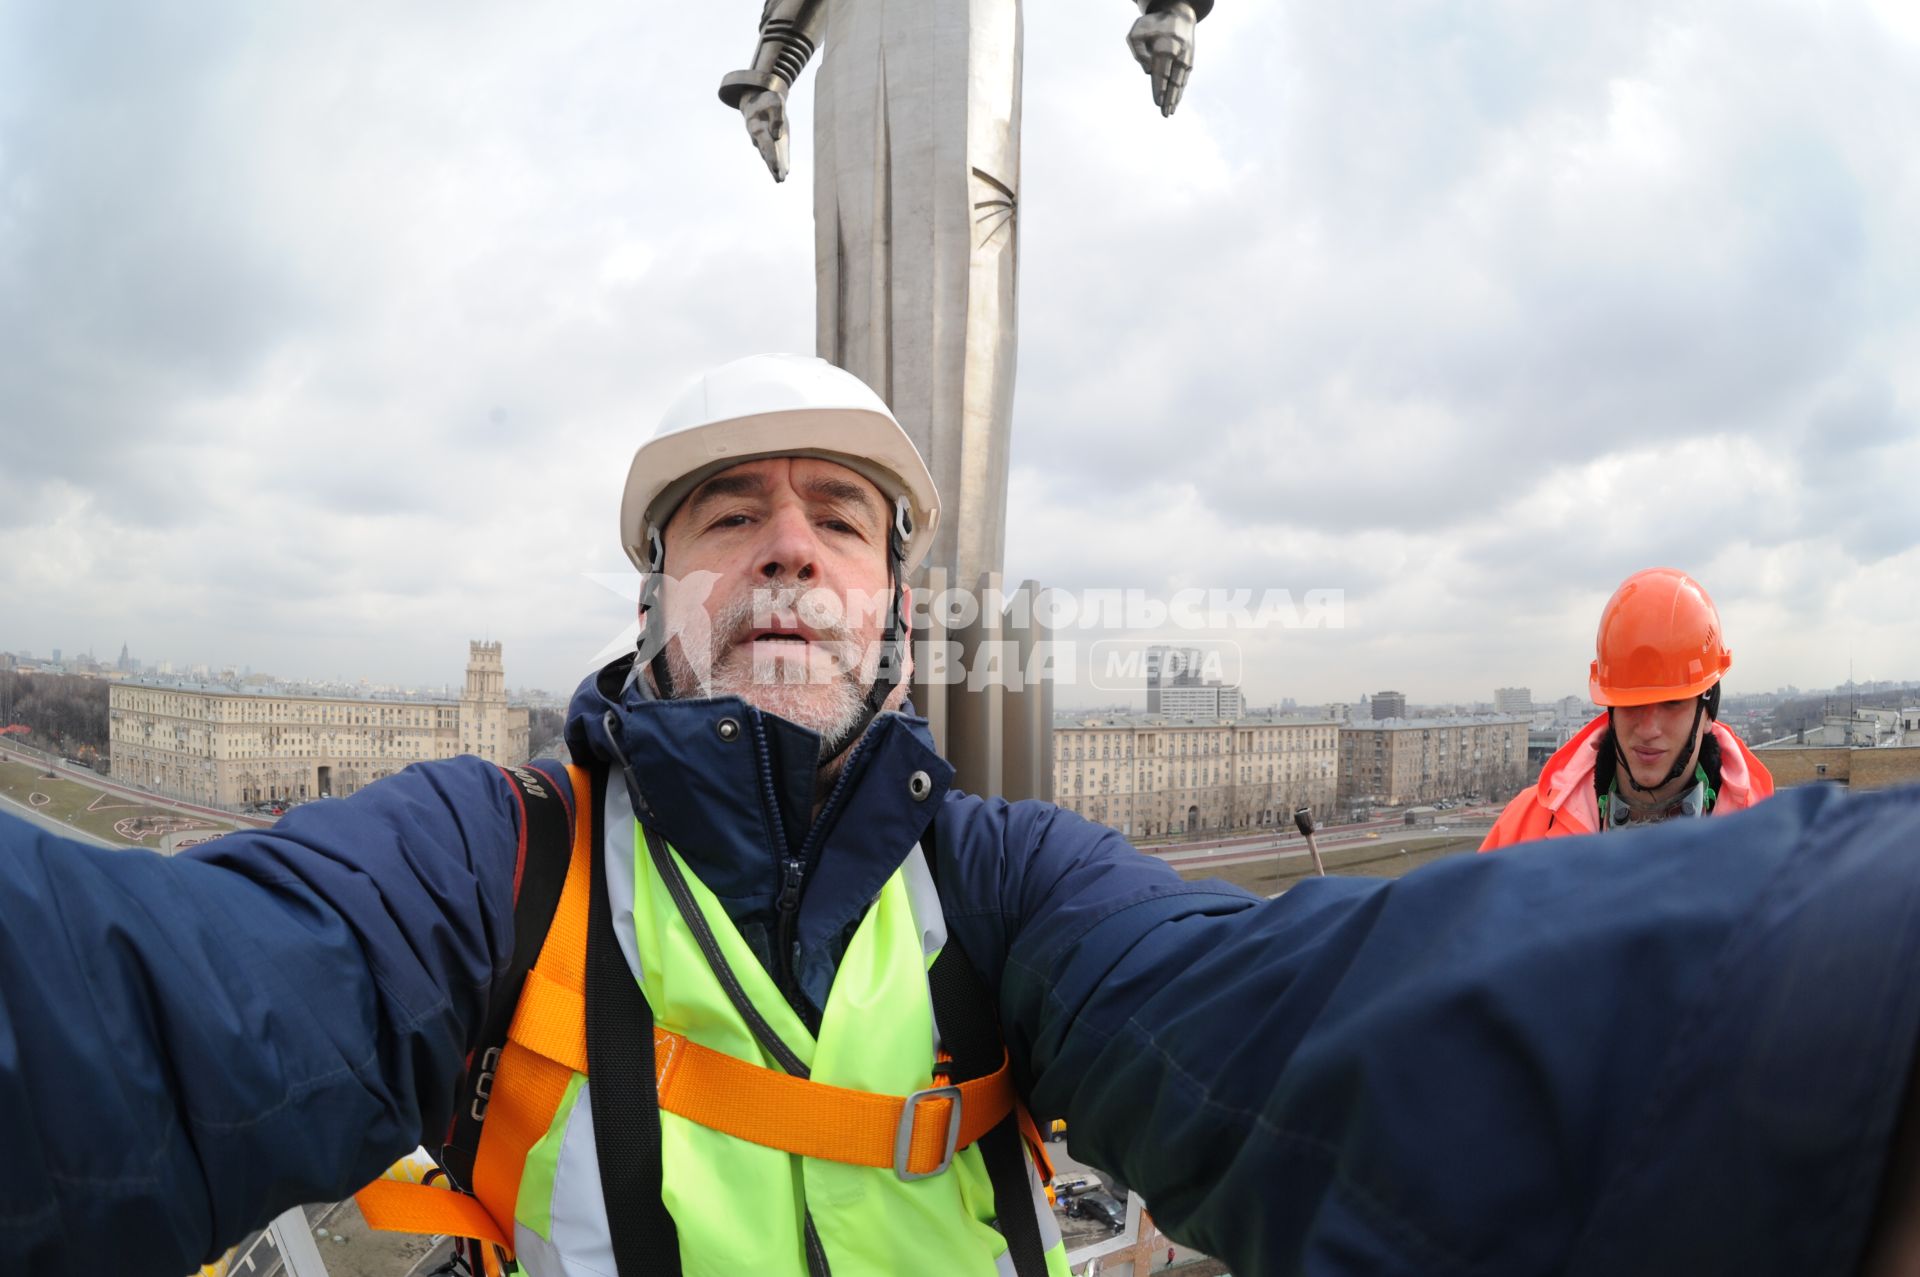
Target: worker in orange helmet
{"type": "Point", "coordinates": [1659, 750]}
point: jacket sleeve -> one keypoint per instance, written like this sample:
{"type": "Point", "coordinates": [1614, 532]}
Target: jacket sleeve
{"type": "Point", "coordinates": [189, 1046]}
{"type": "Point", "coordinates": [1676, 1051]}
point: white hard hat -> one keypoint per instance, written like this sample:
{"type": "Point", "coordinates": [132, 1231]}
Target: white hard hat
{"type": "Point", "coordinates": [774, 406]}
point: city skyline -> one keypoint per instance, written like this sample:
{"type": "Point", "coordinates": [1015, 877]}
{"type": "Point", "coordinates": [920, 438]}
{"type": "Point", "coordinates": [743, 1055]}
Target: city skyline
{"type": "Point", "coordinates": [1135, 700]}
{"type": "Point", "coordinates": [1466, 317]}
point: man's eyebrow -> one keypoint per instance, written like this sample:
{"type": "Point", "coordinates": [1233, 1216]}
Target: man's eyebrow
{"type": "Point", "coordinates": [725, 485]}
{"type": "Point", "coordinates": [845, 491]}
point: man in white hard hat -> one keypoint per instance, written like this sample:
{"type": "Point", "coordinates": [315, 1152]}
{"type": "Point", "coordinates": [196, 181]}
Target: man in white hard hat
{"type": "Point", "coordinates": [794, 506]}
{"type": "Point", "coordinates": [750, 988]}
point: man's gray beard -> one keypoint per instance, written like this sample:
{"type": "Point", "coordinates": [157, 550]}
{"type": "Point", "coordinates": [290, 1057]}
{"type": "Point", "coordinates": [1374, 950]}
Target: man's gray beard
{"type": "Point", "coordinates": [830, 709]}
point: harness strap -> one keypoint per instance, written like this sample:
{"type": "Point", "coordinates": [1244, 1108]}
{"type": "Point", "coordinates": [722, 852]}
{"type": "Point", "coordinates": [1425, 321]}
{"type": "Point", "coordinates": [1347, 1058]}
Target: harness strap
{"type": "Point", "coordinates": [518, 1090]}
{"type": "Point", "coordinates": [529, 1087]}
{"type": "Point", "coordinates": [396, 1207]}
{"type": "Point", "coordinates": [626, 1111]}
{"type": "Point", "coordinates": [970, 1029]}
{"type": "Point", "coordinates": [830, 1123]}
{"type": "Point", "coordinates": [769, 1107]}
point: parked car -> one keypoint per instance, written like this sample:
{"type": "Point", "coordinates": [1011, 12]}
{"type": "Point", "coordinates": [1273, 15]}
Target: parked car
{"type": "Point", "coordinates": [1100, 1208]}
{"type": "Point", "coordinates": [1069, 1186]}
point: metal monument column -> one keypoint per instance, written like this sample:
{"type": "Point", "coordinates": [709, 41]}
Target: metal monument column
{"type": "Point", "coordinates": [916, 230]}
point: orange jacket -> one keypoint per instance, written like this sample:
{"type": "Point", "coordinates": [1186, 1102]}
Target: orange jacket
{"type": "Point", "coordinates": [1562, 804]}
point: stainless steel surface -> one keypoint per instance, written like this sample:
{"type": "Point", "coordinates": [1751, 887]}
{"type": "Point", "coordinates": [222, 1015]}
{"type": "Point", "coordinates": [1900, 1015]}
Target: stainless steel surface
{"type": "Point", "coordinates": [916, 238]}
{"type": "Point", "coordinates": [916, 255]}
{"type": "Point", "coordinates": [976, 709]}
{"type": "Point", "coordinates": [994, 725]}
{"type": "Point", "coordinates": [1162, 43]}
{"type": "Point", "coordinates": [916, 214]}
{"type": "Point", "coordinates": [929, 640]}
{"type": "Point", "coordinates": [1027, 769]}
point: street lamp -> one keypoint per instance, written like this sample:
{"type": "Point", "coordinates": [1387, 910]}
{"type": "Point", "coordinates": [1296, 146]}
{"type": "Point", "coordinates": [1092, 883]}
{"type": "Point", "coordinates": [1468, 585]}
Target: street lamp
{"type": "Point", "coordinates": [1303, 821]}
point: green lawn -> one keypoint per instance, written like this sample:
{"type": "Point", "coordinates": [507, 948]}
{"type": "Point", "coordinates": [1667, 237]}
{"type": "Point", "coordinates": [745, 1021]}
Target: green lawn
{"type": "Point", "coordinates": [95, 810]}
{"type": "Point", "coordinates": [1386, 859]}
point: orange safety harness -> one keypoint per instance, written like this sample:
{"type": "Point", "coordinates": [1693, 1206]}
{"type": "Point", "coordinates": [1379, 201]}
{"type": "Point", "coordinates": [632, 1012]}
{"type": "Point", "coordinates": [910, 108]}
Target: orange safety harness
{"type": "Point", "coordinates": [514, 1096]}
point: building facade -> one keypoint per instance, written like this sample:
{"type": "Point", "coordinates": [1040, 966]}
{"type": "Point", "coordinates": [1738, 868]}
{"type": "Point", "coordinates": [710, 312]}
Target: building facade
{"type": "Point", "coordinates": [1154, 776]}
{"type": "Point", "coordinates": [1854, 767]}
{"type": "Point", "coordinates": [1210, 701]}
{"type": "Point", "coordinates": [1179, 686]}
{"type": "Point", "coordinates": [1420, 760]}
{"type": "Point", "coordinates": [1513, 700]}
{"type": "Point", "coordinates": [1388, 705]}
{"type": "Point", "coordinates": [227, 746]}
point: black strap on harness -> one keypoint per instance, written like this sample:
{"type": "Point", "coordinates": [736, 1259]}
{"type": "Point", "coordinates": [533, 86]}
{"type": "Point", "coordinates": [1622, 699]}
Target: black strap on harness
{"type": "Point", "coordinates": [626, 1102]}
{"type": "Point", "coordinates": [546, 847]}
{"type": "Point", "coordinates": [970, 1030]}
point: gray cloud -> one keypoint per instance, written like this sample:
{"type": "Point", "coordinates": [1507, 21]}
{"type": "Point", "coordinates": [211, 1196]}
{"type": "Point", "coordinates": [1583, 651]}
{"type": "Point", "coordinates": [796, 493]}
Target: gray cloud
{"type": "Point", "coordinates": [325, 339]}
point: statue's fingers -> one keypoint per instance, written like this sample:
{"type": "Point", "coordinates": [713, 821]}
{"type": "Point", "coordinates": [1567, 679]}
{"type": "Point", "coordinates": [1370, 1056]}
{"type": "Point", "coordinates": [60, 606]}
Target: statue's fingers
{"type": "Point", "coordinates": [769, 149]}
{"type": "Point", "coordinates": [1176, 87]}
{"type": "Point", "coordinates": [1162, 77]}
{"type": "Point", "coordinates": [777, 125]}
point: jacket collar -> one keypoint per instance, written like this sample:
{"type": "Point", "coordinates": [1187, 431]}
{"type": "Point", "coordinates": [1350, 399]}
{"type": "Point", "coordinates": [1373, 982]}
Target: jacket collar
{"type": "Point", "coordinates": [1566, 782]}
{"type": "Point", "coordinates": [736, 803]}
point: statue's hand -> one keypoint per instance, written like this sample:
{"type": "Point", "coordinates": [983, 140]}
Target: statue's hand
{"type": "Point", "coordinates": [765, 112]}
{"type": "Point", "coordinates": [1162, 43]}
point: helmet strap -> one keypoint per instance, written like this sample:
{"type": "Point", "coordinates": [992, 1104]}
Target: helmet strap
{"type": "Point", "coordinates": [1680, 764]}
{"type": "Point", "coordinates": [650, 615]}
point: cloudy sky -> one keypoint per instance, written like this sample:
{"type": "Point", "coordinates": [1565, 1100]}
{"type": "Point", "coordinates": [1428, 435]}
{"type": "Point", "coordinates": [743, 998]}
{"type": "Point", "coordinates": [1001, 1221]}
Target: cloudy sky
{"type": "Point", "coordinates": [326, 332]}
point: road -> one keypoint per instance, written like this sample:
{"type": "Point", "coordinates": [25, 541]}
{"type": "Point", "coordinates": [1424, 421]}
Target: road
{"type": "Point", "coordinates": [1234, 851]}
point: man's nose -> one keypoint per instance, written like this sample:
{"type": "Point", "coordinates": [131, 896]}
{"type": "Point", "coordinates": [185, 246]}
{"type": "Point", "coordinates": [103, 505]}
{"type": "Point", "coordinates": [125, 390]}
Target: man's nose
{"type": "Point", "coordinates": [1636, 721]}
{"type": "Point", "coordinates": [791, 549]}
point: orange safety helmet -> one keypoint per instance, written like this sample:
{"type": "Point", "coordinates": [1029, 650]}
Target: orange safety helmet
{"type": "Point", "coordinates": [1659, 640]}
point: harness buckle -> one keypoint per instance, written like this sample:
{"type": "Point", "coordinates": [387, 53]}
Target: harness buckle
{"type": "Point", "coordinates": [903, 1135]}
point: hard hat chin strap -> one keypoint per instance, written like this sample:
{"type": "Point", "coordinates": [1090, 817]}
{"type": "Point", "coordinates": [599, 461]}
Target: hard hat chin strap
{"type": "Point", "coordinates": [650, 617]}
{"type": "Point", "coordinates": [1680, 764]}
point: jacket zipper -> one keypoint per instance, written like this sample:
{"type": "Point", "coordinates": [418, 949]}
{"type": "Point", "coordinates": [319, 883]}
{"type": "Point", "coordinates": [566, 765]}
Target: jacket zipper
{"type": "Point", "coordinates": [815, 1253]}
{"type": "Point", "coordinates": [792, 875]}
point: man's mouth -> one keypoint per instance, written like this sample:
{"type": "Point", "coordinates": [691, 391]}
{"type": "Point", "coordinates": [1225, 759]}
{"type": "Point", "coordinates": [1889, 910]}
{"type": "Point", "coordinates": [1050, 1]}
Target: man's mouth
{"type": "Point", "coordinates": [1649, 755]}
{"type": "Point", "coordinates": [795, 637]}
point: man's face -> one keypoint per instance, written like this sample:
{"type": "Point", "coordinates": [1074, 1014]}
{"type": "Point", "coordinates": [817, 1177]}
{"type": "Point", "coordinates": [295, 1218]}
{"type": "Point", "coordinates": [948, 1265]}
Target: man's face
{"type": "Point", "coordinates": [1652, 736]}
{"type": "Point", "coordinates": [795, 551]}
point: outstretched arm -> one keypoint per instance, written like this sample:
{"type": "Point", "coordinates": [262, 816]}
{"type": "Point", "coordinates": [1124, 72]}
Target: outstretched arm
{"type": "Point", "coordinates": [790, 31]}
{"type": "Point", "coordinates": [189, 1046]}
{"type": "Point", "coordinates": [1681, 1050]}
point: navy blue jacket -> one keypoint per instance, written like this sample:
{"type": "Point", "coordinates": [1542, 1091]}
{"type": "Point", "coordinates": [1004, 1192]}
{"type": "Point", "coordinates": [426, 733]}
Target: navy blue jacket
{"type": "Point", "coordinates": [1677, 1051]}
